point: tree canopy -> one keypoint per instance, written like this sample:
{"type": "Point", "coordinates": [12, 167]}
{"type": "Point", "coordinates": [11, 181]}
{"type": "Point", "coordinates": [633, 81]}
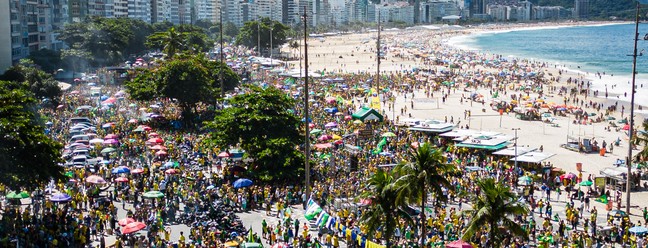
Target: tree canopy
{"type": "Point", "coordinates": [24, 146]}
{"type": "Point", "coordinates": [261, 123]}
{"type": "Point", "coordinates": [41, 84]}
{"type": "Point", "coordinates": [180, 39]}
{"type": "Point", "coordinates": [248, 34]}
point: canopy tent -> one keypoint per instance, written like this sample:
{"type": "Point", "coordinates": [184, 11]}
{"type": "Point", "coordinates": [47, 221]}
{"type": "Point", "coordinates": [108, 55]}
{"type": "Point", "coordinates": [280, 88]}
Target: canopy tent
{"type": "Point", "coordinates": [459, 133]}
{"type": "Point", "coordinates": [433, 126]}
{"type": "Point", "coordinates": [487, 142]}
{"type": "Point", "coordinates": [484, 146]}
{"type": "Point", "coordinates": [615, 171]}
{"type": "Point", "coordinates": [510, 151]}
{"type": "Point", "coordinates": [533, 157]}
{"type": "Point", "coordinates": [366, 113]}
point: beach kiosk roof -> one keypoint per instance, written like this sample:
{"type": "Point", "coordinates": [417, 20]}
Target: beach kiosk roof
{"type": "Point", "coordinates": [365, 114]}
{"type": "Point", "coordinates": [433, 126]}
{"type": "Point", "coordinates": [459, 133]}
{"type": "Point", "coordinates": [533, 157]}
{"type": "Point", "coordinates": [451, 17]}
{"type": "Point", "coordinates": [511, 151]}
{"type": "Point", "coordinates": [492, 143]}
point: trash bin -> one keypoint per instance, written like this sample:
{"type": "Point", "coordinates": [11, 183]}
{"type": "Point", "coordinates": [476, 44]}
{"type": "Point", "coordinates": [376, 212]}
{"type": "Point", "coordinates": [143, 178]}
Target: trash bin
{"type": "Point", "coordinates": [579, 167]}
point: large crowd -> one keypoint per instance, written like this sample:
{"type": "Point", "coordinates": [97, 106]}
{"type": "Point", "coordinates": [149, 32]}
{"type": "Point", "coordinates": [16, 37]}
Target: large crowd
{"type": "Point", "coordinates": [179, 180]}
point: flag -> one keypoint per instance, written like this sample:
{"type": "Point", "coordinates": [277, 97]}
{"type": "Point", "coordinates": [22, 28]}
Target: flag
{"type": "Point", "coordinates": [321, 221]}
{"type": "Point", "coordinates": [375, 102]}
{"type": "Point", "coordinates": [380, 147]}
{"type": "Point", "coordinates": [250, 237]}
{"type": "Point", "coordinates": [329, 223]}
{"type": "Point", "coordinates": [312, 211]}
{"type": "Point", "coordinates": [310, 202]}
{"type": "Point", "coordinates": [289, 80]}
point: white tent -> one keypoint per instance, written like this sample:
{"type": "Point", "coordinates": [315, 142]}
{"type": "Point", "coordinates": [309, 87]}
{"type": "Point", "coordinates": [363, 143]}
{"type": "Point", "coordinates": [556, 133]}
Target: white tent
{"type": "Point", "coordinates": [511, 151]}
{"type": "Point", "coordinates": [532, 157]}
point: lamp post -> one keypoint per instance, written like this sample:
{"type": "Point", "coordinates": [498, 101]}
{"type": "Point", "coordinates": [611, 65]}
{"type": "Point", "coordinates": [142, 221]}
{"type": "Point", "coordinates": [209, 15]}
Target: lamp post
{"type": "Point", "coordinates": [220, 71]}
{"type": "Point", "coordinates": [516, 147]}
{"type": "Point", "coordinates": [306, 134]}
{"type": "Point", "coordinates": [378, 56]}
{"type": "Point", "coordinates": [632, 100]}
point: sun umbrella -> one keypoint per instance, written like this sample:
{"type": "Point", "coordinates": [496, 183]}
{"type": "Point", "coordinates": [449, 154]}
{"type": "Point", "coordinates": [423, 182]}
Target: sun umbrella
{"type": "Point", "coordinates": [357, 122]}
{"type": "Point", "coordinates": [132, 121]}
{"type": "Point", "coordinates": [336, 137]}
{"type": "Point", "coordinates": [158, 147]}
{"type": "Point", "coordinates": [224, 155]}
{"type": "Point", "coordinates": [111, 136]}
{"type": "Point", "coordinates": [323, 145]}
{"type": "Point", "coordinates": [617, 213]}
{"type": "Point", "coordinates": [459, 244]}
{"type": "Point", "coordinates": [331, 125]}
{"type": "Point", "coordinates": [155, 141]}
{"type": "Point", "coordinates": [95, 180]}
{"type": "Point", "coordinates": [242, 182]}
{"type": "Point", "coordinates": [126, 221]}
{"type": "Point", "coordinates": [108, 125]}
{"type": "Point", "coordinates": [525, 181]}
{"type": "Point", "coordinates": [153, 194]}
{"type": "Point", "coordinates": [161, 153]}
{"type": "Point", "coordinates": [586, 183]}
{"type": "Point", "coordinates": [153, 135]}
{"type": "Point", "coordinates": [121, 179]}
{"type": "Point", "coordinates": [60, 197]}
{"type": "Point", "coordinates": [108, 150]}
{"type": "Point", "coordinates": [315, 131]}
{"type": "Point", "coordinates": [280, 245]}
{"type": "Point", "coordinates": [638, 230]}
{"type": "Point", "coordinates": [110, 142]}
{"type": "Point", "coordinates": [133, 227]}
{"type": "Point", "coordinates": [171, 171]}
{"type": "Point", "coordinates": [120, 169]}
{"type": "Point", "coordinates": [137, 171]}
{"type": "Point", "coordinates": [347, 118]}
{"type": "Point", "coordinates": [388, 134]}
{"type": "Point", "coordinates": [626, 127]}
{"type": "Point", "coordinates": [14, 195]}
{"type": "Point", "coordinates": [139, 130]}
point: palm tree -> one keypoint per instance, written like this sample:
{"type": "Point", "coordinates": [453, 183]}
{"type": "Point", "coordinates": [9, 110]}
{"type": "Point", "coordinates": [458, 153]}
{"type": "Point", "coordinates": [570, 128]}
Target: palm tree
{"type": "Point", "coordinates": [494, 207]}
{"type": "Point", "coordinates": [294, 45]}
{"type": "Point", "coordinates": [170, 41]}
{"type": "Point", "coordinates": [384, 208]}
{"type": "Point", "coordinates": [641, 138]}
{"type": "Point", "coordinates": [427, 173]}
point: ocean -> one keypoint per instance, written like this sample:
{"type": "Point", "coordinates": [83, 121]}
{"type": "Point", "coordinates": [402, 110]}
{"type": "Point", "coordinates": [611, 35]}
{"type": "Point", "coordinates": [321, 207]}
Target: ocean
{"type": "Point", "coordinates": [584, 49]}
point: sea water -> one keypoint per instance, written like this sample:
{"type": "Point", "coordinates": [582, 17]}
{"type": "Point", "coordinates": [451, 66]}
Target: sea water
{"type": "Point", "coordinates": [583, 49]}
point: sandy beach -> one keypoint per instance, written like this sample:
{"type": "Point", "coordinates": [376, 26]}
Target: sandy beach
{"type": "Point", "coordinates": [355, 53]}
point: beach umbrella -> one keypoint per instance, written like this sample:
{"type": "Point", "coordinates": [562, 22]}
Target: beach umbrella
{"type": "Point", "coordinates": [617, 213]}
{"type": "Point", "coordinates": [137, 171]}
{"type": "Point", "coordinates": [331, 125]}
{"type": "Point", "coordinates": [125, 221]}
{"type": "Point", "coordinates": [357, 122]}
{"type": "Point", "coordinates": [315, 131]}
{"type": "Point", "coordinates": [171, 171]}
{"type": "Point", "coordinates": [60, 197]}
{"type": "Point", "coordinates": [324, 137]}
{"type": "Point", "coordinates": [96, 141]}
{"type": "Point", "coordinates": [108, 150]}
{"type": "Point", "coordinates": [626, 127]}
{"type": "Point", "coordinates": [95, 180]}
{"type": "Point", "coordinates": [224, 155]}
{"type": "Point", "coordinates": [586, 183]}
{"type": "Point", "coordinates": [133, 227]}
{"type": "Point", "coordinates": [388, 134]}
{"type": "Point", "coordinates": [638, 230]}
{"type": "Point", "coordinates": [153, 194]}
{"type": "Point", "coordinates": [121, 179]}
{"type": "Point", "coordinates": [242, 182]}
{"type": "Point", "coordinates": [111, 136]}
{"type": "Point", "coordinates": [336, 137]}
{"type": "Point", "coordinates": [280, 245]}
{"type": "Point", "coordinates": [158, 147]}
{"type": "Point", "coordinates": [323, 145]}
{"type": "Point", "coordinates": [120, 169]}
{"type": "Point", "coordinates": [161, 153]}
{"type": "Point", "coordinates": [108, 125]}
{"type": "Point", "coordinates": [459, 244]}
{"type": "Point", "coordinates": [132, 121]}
{"type": "Point", "coordinates": [347, 117]}
{"type": "Point", "coordinates": [155, 141]}
{"type": "Point", "coordinates": [110, 142]}
{"type": "Point", "coordinates": [17, 196]}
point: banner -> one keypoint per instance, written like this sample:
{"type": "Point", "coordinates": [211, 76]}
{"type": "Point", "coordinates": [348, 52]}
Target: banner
{"type": "Point", "coordinates": [321, 221]}
{"type": "Point", "coordinates": [375, 103]}
{"type": "Point", "coordinates": [369, 244]}
{"type": "Point", "coordinates": [312, 211]}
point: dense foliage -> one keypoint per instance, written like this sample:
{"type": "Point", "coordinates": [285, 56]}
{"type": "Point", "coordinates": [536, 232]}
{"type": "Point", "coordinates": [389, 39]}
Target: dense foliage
{"type": "Point", "coordinates": [252, 30]}
{"type": "Point", "coordinates": [261, 123]}
{"type": "Point", "coordinates": [180, 39]}
{"type": "Point", "coordinates": [24, 146]}
{"type": "Point", "coordinates": [41, 84]}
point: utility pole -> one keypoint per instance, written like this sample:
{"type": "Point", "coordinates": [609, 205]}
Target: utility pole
{"type": "Point", "coordinates": [632, 101]}
{"type": "Point", "coordinates": [516, 148]}
{"type": "Point", "coordinates": [378, 57]}
{"type": "Point", "coordinates": [222, 60]}
{"type": "Point", "coordinates": [271, 28]}
{"type": "Point", "coordinates": [307, 132]}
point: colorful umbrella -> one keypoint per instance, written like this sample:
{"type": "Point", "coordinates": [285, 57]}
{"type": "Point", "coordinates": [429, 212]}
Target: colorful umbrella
{"type": "Point", "coordinates": [108, 150]}
{"type": "Point", "coordinates": [388, 134]}
{"type": "Point", "coordinates": [133, 227]}
{"type": "Point", "coordinates": [137, 171]}
{"type": "Point", "coordinates": [121, 179]}
{"type": "Point", "coordinates": [171, 171]}
{"type": "Point", "coordinates": [126, 221]}
{"type": "Point", "coordinates": [14, 195]}
{"type": "Point", "coordinates": [120, 169]}
{"type": "Point", "coordinates": [155, 141]}
{"type": "Point", "coordinates": [111, 136]}
{"type": "Point", "coordinates": [95, 180]}
{"type": "Point", "coordinates": [60, 197]}
{"type": "Point", "coordinates": [586, 183]}
{"type": "Point", "coordinates": [153, 194]}
{"type": "Point", "coordinates": [242, 182]}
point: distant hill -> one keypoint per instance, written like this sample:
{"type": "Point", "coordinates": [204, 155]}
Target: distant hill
{"type": "Point", "coordinates": [599, 9]}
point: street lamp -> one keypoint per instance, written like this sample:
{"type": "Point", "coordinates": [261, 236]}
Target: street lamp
{"type": "Point", "coordinates": [306, 134]}
{"type": "Point", "coordinates": [220, 71]}
{"type": "Point", "coordinates": [516, 147]}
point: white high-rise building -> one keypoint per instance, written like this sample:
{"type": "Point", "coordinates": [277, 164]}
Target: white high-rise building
{"type": "Point", "coordinates": [140, 9]}
{"type": "Point", "coordinates": [6, 37]}
{"type": "Point", "coordinates": [234, 12]}
{"type": "Point", "coordinates": [160, 11]}
{"type": "Point", "coordinates": [120, 8]}
{"type": "Point", "coordinates": [206, 10]}
{"type": "Point", "coordinates": [180, 12]}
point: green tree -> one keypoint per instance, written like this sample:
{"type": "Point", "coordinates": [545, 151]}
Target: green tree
{"type": "Point", "coordinates": [495, 207]}
{"type": "Point", "coordinates": [180, 39]}
{"type": "Point", "coordinates": [641, 138]}
{"type": "Point", "coordinates": [41, 84]}
{"type": "Point", "coordinates": [384, 210]}
{"type": "Point", "coordinates": [261, 123]}
{"type": "Point", "coordinates": [230, 78]}
{"type": "Point", "coordinates": [426, 173]}
{"type": "Point", "coordinates": [161, 26]}
{"type": "Point", "coordinates": [204, 23]}
{"type": "Point", "coordinates": [248, 34]}
{"type": "Point", "coordinates": [24, 147]}
{"type": "Point", "coordinates": [230, 29]}
{"type": "Point", "coordinates": [48, 60]}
